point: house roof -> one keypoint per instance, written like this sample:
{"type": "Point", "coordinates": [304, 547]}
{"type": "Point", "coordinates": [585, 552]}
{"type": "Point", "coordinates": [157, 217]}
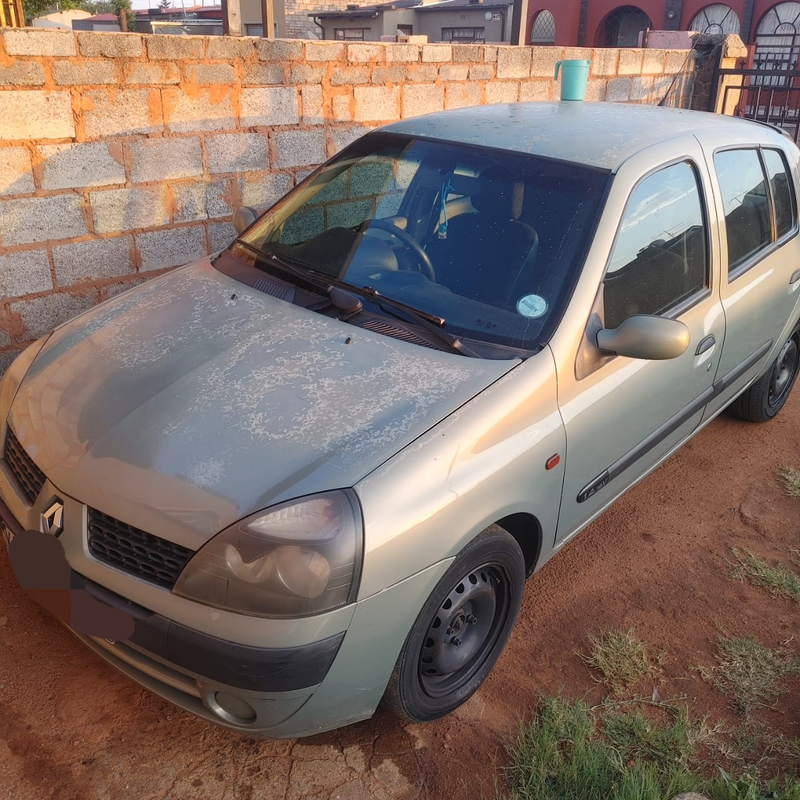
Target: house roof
{"type": "Point", "coordinates": [460, 5]}
{"type": "Point", "coordinates": [442, 5]}
{"type": "Point", "coordinates": [366, 11]}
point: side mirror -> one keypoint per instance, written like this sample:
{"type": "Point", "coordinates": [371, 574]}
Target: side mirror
{"type": "Point", "coordinates": [641, 336]}
{"type": "Point", "coordinates": [243, 218]}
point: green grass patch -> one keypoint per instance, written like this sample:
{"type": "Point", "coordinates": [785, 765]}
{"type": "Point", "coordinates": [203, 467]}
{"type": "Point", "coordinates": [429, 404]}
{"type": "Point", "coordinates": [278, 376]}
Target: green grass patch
{"type": "Point", "coordinates": [749, 673]}
{"type": "Point", "coordinates": [620, 658]}
{"type": "Point", "coordinates": [790, 478]}
{"type": "Point", "coordinates": [749, 787]}
{"type": "Point", "coordinates": [779, 580]}
{"type": "Point", "coordinates": [569, 751]}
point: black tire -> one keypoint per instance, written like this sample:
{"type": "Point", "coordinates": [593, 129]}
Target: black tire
{"type": "Point", "coordinates": [767, 396]}
{"type": "Point", "coordinates": [477, 601]}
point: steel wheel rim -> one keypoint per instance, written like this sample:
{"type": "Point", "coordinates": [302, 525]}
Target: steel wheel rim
{"type": "Point", "coordinates": [464, 630]}
{"type": "Point", "coordinates": [783, 373]}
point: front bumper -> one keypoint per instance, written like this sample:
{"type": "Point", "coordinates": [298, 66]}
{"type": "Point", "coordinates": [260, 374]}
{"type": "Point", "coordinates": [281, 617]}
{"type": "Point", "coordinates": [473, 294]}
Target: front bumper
{"type": "Point", "coordinates": [298, 689]}
{"type": "Point", "coordinates": [246, 688]}
{"type": "Point", "coordinates": [258, 669]}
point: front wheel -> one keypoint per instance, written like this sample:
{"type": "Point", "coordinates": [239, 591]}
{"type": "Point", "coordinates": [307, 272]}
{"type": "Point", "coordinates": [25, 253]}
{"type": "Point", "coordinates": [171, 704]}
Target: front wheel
{"type": "Point", "coordinates": [461, 630]}
{"type": "Point", "coordinates": [767, 396]}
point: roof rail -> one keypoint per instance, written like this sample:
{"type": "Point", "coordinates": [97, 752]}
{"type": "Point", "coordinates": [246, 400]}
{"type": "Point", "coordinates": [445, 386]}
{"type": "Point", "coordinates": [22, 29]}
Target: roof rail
{"type": "Point", "coordinates": [774, 127]}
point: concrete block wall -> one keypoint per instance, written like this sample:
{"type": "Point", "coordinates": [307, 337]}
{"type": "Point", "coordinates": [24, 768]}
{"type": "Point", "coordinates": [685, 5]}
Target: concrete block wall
{"type": "Point", "coordinates": [124, 155]}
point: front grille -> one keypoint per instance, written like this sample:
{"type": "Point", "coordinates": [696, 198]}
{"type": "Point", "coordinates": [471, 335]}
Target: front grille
{"type": "Point", "coordinates": [134, 551]}
{"type": "Point", "coordinates": [28, 476]}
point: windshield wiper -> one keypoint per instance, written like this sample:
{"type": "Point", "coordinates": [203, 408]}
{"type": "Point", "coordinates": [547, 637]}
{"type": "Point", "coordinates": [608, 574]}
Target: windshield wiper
{"type": "Point", "coordinates": [430, 322]}
{"type": "Point", "coordinates": [378, 298]}
{"type": "Point", "coordinates": [310, 276]}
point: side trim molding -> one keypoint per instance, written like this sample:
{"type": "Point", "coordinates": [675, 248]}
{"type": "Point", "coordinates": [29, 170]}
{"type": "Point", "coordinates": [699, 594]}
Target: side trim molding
{"type": "Point", "coordinates": [615, 469]}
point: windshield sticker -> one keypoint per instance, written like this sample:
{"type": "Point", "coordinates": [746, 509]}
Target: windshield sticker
{"type": "Point", "coordinates": [531, 306]}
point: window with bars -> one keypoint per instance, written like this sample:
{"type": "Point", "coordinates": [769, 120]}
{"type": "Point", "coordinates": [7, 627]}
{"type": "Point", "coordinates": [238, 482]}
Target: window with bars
{"type": "Point", "coordinates": [777, 43]}
{"type": "Point", "coordinates": [543, 31]}
{"type": "Point", "coordinates": [351, 34]}
{"type": "Point", "coordinates": [477, 35]}
{"type": "Point", "coordinates": [406, 30]}
{"type": "Point", "coordinates": [716, 18]}
{"type": "Point", "coordinates": [621, 27]}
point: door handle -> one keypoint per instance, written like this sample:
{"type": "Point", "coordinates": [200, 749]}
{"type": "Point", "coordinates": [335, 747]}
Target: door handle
{"type": "Point", "coordinates": [795, 277]}
{"type": "Point", "coordinates": [707, 343]}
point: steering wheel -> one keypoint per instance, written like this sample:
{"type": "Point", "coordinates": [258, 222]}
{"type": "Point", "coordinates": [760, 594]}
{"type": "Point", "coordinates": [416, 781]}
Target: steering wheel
{"type": "Point", "coordinates": [423, 259]}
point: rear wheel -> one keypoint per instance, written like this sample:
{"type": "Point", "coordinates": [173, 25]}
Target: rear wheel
{"type": "Point", "coordinates": [767, 396]}
{"type": "Point", "coordinates": [461, 630]}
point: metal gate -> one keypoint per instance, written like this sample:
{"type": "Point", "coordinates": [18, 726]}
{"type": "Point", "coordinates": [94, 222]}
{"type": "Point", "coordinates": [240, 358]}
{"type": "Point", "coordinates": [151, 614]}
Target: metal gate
{"type": "Point", "coordinates": [11, 14]}
{"type": "Point", "coordinates": [765, 87]}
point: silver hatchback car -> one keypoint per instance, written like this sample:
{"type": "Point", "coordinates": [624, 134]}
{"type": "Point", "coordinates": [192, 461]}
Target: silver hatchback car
{"type": "Point", "coordinates": [313, 471]}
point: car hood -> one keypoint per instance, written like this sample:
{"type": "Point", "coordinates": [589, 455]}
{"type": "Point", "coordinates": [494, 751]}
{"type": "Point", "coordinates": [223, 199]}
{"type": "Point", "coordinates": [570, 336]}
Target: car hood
{"type": "Point", "coordinates": [187, 403]}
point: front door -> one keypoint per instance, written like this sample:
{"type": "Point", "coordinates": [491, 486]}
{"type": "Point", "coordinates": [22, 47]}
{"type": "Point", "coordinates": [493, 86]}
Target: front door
{"type": "Point", "coordinates": [623, 416]}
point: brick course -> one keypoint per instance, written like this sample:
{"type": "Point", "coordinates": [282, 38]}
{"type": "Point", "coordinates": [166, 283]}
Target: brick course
{"type": "Point", "coordinates": [122, 155]}
{"type": "Point", "coordinates": [88, 261]}
{"type": "Point", "coordinates": [77, 166]}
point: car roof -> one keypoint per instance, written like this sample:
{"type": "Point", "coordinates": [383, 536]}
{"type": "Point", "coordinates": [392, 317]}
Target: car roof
{"type": "Point", "coordinates": [601, 135]}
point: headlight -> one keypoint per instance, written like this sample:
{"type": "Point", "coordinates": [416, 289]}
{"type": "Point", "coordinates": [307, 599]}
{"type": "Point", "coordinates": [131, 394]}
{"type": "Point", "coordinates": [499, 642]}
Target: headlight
{"type": "Point", "coordinates": [10, 382]}
{"type": "Point", "coordinates": [296, 559]}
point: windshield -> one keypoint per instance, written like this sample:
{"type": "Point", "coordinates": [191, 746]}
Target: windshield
{"type": "Point", "coordinates": [489, 241]}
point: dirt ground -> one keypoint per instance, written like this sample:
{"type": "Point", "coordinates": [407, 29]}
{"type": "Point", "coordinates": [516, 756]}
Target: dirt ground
{"type": "Point", "coordinates": [71, 727]}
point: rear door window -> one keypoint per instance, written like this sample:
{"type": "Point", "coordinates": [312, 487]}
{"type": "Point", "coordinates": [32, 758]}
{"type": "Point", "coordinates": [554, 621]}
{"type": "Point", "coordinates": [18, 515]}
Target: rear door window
{"type": "Point", "coordinates": [746, 203]}
{"type": "Point", "coordinates": [780, 183]}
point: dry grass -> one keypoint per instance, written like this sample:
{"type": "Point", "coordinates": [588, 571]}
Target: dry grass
{"type": "Point", "coordinates": [778, 580]}
{"type": "Point", "coordinates": [749, 673]}
{"type": "Point", "coordinates": [790, 478]}
{"type": "Point", "coordinates": [620, 658]}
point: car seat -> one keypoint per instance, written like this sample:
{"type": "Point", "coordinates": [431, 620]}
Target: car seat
{"type": "Point", "coordinates": [482, 253]}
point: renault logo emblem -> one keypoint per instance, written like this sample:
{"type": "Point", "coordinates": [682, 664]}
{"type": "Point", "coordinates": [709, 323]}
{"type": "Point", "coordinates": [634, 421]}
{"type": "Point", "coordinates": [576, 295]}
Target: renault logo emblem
{"type": "Point", "coordinates": [53, 518]}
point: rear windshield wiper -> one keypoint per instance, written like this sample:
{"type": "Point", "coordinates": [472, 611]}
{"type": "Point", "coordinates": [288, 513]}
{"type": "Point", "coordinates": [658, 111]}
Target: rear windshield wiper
{"type": "Point", "coordinates": [430, 322]}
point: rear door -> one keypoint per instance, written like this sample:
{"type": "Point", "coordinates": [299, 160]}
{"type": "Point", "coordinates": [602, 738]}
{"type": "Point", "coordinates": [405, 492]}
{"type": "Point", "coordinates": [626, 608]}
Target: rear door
{"type": "Point", "coordinates": [755, 193]}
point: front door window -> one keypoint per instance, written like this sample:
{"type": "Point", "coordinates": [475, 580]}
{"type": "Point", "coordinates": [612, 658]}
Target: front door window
{"type": "Point", "coordinates": [660, 257]}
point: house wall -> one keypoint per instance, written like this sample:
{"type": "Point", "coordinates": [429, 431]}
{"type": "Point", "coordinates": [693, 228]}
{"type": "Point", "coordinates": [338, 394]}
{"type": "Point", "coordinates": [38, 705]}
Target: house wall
{"type": "Point", "coordinates": [373, 26]}
{"type": "Point", "coordinates": [402, 16]}
{"type": "Point", "coordinates": [428, 22]}
{"type": "Point", "coordinates": [123, 155]}
{"type": "Point", "coordinates": [298, 23]}
{"type": "Point", "coordinates": [431, 22]}
{"type": "Point", "coordinates": [567, 15]}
